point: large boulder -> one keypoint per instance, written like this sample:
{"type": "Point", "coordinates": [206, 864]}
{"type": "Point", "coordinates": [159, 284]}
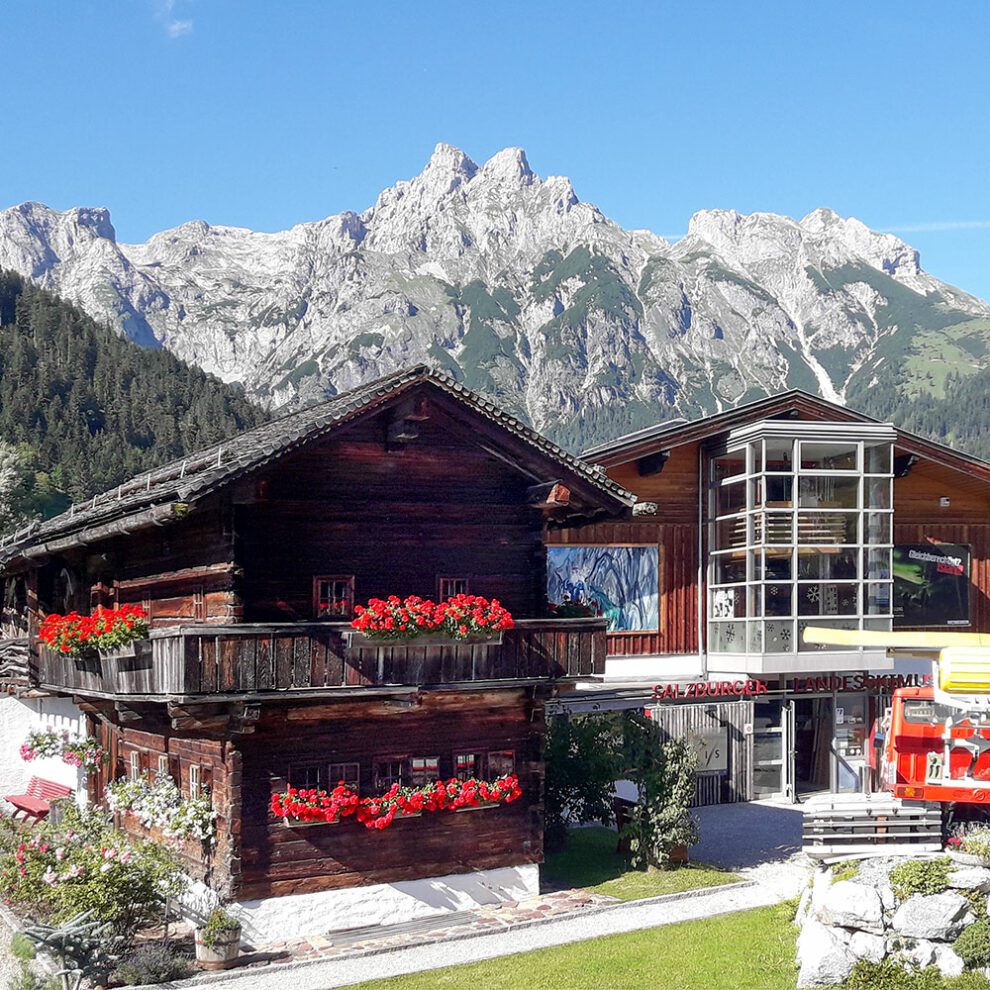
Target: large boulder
{"type": "Point", "coordinates": [970, 878]}
{"type": "Point", "coordinates": [852, 905]}
{"type": "Point", "coordinates": [938, 917]}
{"type": "Point", "coordinates": [949, 964]}
{"type": "Point", "coordinates": [920, 954]}
{"type": "Point", "coordinates": [824, 958]}
{"type": "Point", "coordinates": [872, 948]}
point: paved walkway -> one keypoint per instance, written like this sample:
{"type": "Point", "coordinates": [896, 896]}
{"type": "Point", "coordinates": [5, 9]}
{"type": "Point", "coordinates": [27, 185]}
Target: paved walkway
{"type": "Point", "coordinates": [594, 921]}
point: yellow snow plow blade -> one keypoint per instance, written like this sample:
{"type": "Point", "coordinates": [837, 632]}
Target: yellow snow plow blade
{"type": "Point", "coordinates": [931, 640]}
{"type": "Point", "coordinates": [964, 670]}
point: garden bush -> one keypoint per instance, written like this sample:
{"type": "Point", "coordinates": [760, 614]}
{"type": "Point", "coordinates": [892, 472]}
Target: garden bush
{"type": "Point", "coordinates": [153, 963]}
{"type": "Point", "coordinates": [55, 871]}
{"type": "Point", "coordinates": [888, 975]}
{"type": "Point", "coordinates": [973, 945]}
{"type": "Point", "coordinates": [663, 771]}
{"type": "Point", "coordinates": [920, 876]}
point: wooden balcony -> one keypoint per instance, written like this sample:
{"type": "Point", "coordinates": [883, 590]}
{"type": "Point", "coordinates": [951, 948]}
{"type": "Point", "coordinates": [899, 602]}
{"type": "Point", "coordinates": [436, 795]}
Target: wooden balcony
{"type": "Point", "coordinates": [193, 661]}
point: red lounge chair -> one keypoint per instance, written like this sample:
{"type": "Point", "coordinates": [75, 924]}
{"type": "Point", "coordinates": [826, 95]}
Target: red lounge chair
{"type": "Point", "coordinates": [37, 801]}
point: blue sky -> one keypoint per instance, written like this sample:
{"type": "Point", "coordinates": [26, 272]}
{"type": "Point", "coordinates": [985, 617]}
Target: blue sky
{"type": "Point", "coordinates": [268, 114]}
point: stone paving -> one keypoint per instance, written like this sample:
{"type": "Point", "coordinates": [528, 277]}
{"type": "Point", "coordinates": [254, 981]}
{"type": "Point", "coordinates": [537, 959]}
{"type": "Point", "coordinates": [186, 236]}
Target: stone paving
{"type": "Point", "coordinates": [487, 919]}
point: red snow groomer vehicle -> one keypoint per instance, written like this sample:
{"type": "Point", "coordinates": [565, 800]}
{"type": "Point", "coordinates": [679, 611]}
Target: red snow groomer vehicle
{"type": "Point", "coordinates": [936, 739]}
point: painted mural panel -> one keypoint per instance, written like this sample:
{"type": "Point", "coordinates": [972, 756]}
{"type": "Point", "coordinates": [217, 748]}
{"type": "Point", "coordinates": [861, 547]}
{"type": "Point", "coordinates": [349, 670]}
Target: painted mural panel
{"type": "Point", "coordinates": [624, 581]}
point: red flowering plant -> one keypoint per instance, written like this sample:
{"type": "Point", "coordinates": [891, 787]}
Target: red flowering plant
{"type": "Point", "coordinates": [77, 635]}
{"type": "Point", "coordinates": [318, 805]}
{"type": "Point", "coordinates": [460, 617]}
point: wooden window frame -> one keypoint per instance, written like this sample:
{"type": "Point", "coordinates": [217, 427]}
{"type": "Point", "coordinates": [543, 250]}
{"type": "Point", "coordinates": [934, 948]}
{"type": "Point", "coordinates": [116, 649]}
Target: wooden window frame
{"type": "Point", "coordinates": [414, 772]}
{"type": "Point", "coordinates": [348, 581]}
{"type": "Point", "coordinates": [490, 773]}
{"type": "Point", "coordinates": [479, 760]}
{"type": "Point", "coordinates": [443, 595]}
{"type": "Point", "coordinates": [404, 771]}
{"type": "Point", "coordinates": [195, 780]}
{"type": "Point", "coordinates": [306, 767]}
{"type": "Point", "coordinates": [351, 777]}
{"type": "Point", "coordinates": [134, 765]}
{"type": "Point", "coordinates": [164, 768]}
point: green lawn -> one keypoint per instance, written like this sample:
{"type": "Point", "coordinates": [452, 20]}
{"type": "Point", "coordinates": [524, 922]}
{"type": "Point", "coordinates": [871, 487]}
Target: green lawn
{"type": "Point", "coordinates": [750, 950]}
{"type": "Point", "coordinates": [590, 861]}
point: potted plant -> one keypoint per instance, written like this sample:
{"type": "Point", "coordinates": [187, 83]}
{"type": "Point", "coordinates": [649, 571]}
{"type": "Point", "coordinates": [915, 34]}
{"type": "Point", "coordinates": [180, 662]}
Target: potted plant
{"type": "Point", "coordinates": [218, 942]}
{"type": "Point", "coordinates": [970, 845]}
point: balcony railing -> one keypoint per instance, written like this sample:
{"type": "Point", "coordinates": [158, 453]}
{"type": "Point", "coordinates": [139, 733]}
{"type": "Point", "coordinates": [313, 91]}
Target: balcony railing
{"type": "Point", "coordinates": [253, 659]}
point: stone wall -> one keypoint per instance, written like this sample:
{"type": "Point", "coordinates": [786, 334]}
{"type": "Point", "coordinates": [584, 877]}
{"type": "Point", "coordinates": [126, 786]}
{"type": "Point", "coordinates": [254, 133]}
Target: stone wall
{"type": "Point", "coordinates": [845, 920]}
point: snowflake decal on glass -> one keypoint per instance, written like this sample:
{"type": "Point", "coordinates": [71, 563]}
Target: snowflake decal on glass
{"type": "Point", "coordinates": [813, 594]}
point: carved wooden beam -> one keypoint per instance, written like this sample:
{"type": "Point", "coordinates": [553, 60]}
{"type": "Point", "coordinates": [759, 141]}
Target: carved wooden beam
{"type": "Point", "coordinates": [551, 495]}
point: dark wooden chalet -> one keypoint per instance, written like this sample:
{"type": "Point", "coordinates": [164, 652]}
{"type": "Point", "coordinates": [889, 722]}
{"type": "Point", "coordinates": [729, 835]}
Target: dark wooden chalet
{"type": "Point", "coordinates": [249, 558]}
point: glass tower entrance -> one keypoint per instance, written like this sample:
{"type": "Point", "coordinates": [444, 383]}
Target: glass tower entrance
{"type": "Point", "coordinates": [799, 533]}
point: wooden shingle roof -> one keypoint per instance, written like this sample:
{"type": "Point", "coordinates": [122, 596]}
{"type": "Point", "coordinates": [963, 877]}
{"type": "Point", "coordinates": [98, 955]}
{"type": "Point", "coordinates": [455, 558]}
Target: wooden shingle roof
{"type": "Point", "coordinates": [167, 491]}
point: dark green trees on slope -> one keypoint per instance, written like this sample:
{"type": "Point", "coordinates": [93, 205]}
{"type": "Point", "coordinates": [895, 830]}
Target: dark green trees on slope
{"type": "Point", "coordinates": [82, 409]}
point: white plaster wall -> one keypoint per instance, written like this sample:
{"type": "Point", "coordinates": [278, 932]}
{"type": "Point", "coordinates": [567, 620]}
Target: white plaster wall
{"type": "Point", "coordinates": [19, 717]}
{"type": "Point", "coordinates": [650, 668]}
{"type": "Point", "coordinates": [276, 919]}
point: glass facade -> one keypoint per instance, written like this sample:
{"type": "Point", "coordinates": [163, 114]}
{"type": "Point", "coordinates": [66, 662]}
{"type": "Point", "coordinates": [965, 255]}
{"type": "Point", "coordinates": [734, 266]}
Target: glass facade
{"type": "Point", "coordinates": [799, 533]}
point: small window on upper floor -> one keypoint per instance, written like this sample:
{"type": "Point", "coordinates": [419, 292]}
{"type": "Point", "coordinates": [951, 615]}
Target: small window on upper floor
{"type": "Point", "coordinates": [348, 774]}
{"type": "Point", "coordinates": [389, 771]}
{"type": "Point", "coordinates": [306, 776]}
{"type": "Point", "coordinates": [450, 587]}
{"type": "Point", "coordinates": [424, 770]}
{"type": "Point", "coordinates": [333, 596]}
{"type": "Point", "coordinates": [501, 762]}
{"type": "Point", "coordinates": [134, 767]}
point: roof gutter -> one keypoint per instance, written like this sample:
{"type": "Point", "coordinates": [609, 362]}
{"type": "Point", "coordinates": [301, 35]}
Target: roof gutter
{"type": "Point", "coordinates": [157, 515]}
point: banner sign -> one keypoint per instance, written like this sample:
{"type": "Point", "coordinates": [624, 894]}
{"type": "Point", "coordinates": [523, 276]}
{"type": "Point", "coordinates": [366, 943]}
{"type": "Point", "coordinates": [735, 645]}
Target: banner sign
{"type": "Point", "coordinates": [931, 584]}
{"type": "Point", "coordinates": [737, 690]}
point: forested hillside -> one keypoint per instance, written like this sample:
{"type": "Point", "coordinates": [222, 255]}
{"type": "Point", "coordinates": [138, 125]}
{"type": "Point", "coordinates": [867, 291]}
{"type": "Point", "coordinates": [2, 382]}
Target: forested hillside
{"type": "Point", "coordinates": [82, 409]}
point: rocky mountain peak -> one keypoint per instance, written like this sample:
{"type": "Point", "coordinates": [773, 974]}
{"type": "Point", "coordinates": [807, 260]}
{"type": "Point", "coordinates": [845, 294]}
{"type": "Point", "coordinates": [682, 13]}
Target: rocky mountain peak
{"type": "Point", "coordinates": [512, 284]}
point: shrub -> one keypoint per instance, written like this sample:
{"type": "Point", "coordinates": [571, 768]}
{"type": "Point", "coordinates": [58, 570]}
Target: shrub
{"type": "Point", "coordinates": [218, 924]}
{"type": "Point", "coordinates": [920, 876]}
{"type": "Point", "coordinates": [888, 975]}
{"type": "Point", "coordinates": [971, 980]}
{"type": "Point", "coordinates": [27, 979]}
{"type": "Point", "coordinates": [153, 963]}
{"type": "Point", "coordinates": [977, 903]}
{"type": "Point", "coordinates": [976, 842]}
{"type": "Point", "coordinates": [664, 774]}
{"type": "Point", "coordinates": [582, 763]}
{"type": "Point", "coordinates": [82, 864]}
{"type": "Point", "coordinates": [21, 947]}
{"type": "Point", "coordinates": [973, 945]}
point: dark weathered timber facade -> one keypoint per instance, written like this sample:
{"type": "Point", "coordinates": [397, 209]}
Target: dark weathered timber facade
{"type": "Point", "coordinates": [407, 486]}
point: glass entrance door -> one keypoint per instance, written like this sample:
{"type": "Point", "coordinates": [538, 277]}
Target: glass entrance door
{"type": "Point", "coordinates": [770, 765]}
{"type": "Point", "coordinates": [850, 740]}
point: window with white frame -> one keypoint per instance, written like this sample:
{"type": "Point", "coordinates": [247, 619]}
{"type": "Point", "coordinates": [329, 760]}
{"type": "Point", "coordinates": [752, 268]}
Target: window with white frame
{"type": "Point", "coordinates": [195, 786]}
{"type": "Point", "coordinates": [134, 768]}
{"type": "Point", "coordinates": [800, 519]}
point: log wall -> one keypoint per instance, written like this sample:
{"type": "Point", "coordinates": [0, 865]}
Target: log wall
{"type": "Point", "coordinates": [277, 860]}
{"type": "Point", "coordinates": [395, 519]}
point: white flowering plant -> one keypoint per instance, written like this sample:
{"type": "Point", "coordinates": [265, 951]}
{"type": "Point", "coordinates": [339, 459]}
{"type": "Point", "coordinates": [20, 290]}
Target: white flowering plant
{"type": "Point", "coordinates": [159, 804]}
